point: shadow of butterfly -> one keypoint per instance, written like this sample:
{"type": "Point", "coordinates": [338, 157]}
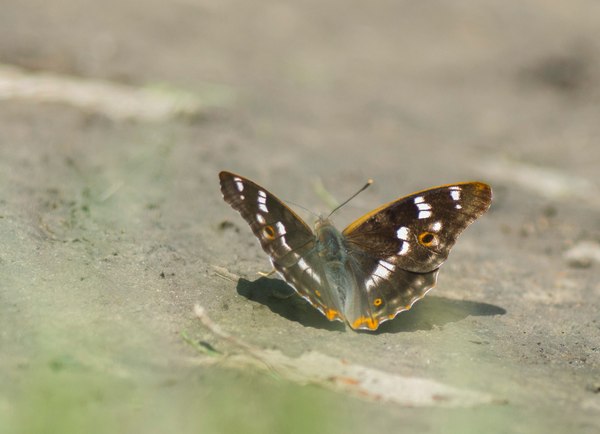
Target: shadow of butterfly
{"type": "Point", "coordinates": [377, 267]}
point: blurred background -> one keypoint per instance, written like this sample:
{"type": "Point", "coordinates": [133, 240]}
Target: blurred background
{"type": "Point", "coordinates": [115, 118]}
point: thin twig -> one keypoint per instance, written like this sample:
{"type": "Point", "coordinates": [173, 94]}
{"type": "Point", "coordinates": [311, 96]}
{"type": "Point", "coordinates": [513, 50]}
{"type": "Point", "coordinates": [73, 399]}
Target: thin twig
{"type": "Point", "coordinates": [201, 314]}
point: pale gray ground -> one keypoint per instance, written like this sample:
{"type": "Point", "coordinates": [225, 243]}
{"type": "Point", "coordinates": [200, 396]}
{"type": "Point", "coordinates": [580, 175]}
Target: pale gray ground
{"type": "Point", "coordinates": [111, 230]}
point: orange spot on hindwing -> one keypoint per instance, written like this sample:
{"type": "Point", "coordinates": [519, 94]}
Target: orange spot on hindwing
{"type": "Point", "coordinates": [371, 323]}
{"type": "Point", "coordinates": [332, 314]}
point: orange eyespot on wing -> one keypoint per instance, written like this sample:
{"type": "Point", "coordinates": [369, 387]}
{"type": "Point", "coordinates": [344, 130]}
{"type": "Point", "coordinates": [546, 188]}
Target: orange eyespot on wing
{"type": "Point", "coordinates": [269, 232]}
{"type": "Point", "coordinates": [426, 238]}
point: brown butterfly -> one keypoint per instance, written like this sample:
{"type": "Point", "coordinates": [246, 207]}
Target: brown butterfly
{"type": "Point", "coordinates": [375, 268]}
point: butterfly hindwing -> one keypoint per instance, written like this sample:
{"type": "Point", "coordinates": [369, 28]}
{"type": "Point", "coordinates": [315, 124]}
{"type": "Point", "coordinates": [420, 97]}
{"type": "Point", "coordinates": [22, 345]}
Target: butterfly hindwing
{"type": "Point", "coordinates": [383, 290]}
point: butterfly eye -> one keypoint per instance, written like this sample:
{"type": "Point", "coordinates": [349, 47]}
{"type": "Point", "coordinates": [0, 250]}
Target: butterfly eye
{"type": "Point", "coordinates": [426, 238]}
{"type": "Point", "coordinates": [377, 302]}
{"type": "Point", "coordinates": [269, 232]}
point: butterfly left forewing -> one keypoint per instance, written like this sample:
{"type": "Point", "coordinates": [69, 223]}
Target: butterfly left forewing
{"type": "Point", "coordinates": [277, 227]}
{"type": "Point", "coordinates": [285, 237]}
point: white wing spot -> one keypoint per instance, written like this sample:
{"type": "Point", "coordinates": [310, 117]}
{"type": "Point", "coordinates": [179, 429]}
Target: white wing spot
{"type": "Point", "coordinates": [242, 197]}
{"type": "Point", "coordinates": [302, 264]}
{"type": "Point", "coordinates": [404, 248]}
{"type": "Point", "coordinates": [455, 192]}
{"type": "Point", "coordinates": [388, 265]}
{"type": "Point", "coordinates": [419, 199]}
{"type": "Point", "coordinates": [280, 228]}
{"type": "Point", "coordinates": [423, 206]}
{"type": "Point", "coordinates": [402, 233]}
{"type": "Point", "coordinates": [285, 245]}
{"type": "Point", "coordinates": [424, 214]}
{"type": "Point", "coordinates": [382, 271]}
{"type": "Point", "coordinates": [239, 184]}
{"type": "Point", "coordinates": [262, 201]}
{"type": "Point", "coordinates": [436, 226]}
{"type": "Point", "coordinates": [458, 206]}
{"type": "Point", "coordinates": [370, 283]}
{"type": "Point", "coordinates": [260, 219]}
{"type": "Point", "coordinates": [314, 276]}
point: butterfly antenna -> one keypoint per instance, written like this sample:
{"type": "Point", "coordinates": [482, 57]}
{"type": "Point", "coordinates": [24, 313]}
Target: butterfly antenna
{"type": "Point", "coordinates": [364, 187]}
{"type": "Point", "coordinates": [302, 207]}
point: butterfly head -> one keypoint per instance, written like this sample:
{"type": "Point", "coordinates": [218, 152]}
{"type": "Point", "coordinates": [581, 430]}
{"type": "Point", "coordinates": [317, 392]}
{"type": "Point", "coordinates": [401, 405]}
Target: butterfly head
{"type": "Point", "coordinates": [322, 222]}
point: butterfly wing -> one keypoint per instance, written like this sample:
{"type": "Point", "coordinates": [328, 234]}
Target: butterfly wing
{"type": "Point", "coordinates": [417, 232]}
{"type": "Point", "coordinates": [284, 236]}
{"type": "Point", "coordinates": [396, 250]}
{"type": "Point", "coordinates": [381, 291]}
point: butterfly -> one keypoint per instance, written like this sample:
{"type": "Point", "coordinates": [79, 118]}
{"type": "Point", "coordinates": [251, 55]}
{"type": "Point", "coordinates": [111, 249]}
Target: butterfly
{"type": "Point", "coordinates": [377, 267]}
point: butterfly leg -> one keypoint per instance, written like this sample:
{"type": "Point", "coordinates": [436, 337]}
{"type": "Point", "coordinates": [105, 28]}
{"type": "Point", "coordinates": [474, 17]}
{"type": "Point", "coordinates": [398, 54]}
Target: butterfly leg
{"type": "Point", "coordinates": [263, 274]}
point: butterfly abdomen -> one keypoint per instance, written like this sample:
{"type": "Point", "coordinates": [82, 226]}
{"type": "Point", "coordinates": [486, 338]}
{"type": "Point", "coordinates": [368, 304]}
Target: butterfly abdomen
{"type": "Point", "coordinates": [332, 249]}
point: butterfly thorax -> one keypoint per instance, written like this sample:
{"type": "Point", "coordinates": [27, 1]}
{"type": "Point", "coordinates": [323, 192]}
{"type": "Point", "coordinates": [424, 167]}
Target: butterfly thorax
{"type": "Point", "coordinates": [330, 242]}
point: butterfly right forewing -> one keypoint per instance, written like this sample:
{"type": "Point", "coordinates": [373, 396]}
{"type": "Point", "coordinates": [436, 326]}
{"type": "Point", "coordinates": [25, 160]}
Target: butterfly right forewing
{"type": "Point", "coordinates": [416, 232]}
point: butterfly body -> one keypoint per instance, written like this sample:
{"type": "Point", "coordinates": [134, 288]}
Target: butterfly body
{"type": "Point", "coordinates": [375, 268]}
{"type": "Point", "coordinates": [330, 243]}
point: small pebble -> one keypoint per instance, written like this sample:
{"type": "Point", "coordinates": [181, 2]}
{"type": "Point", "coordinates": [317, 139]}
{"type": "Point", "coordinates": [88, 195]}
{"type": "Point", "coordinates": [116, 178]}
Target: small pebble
{"type": "Point", "coordinates": [583, 254]}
